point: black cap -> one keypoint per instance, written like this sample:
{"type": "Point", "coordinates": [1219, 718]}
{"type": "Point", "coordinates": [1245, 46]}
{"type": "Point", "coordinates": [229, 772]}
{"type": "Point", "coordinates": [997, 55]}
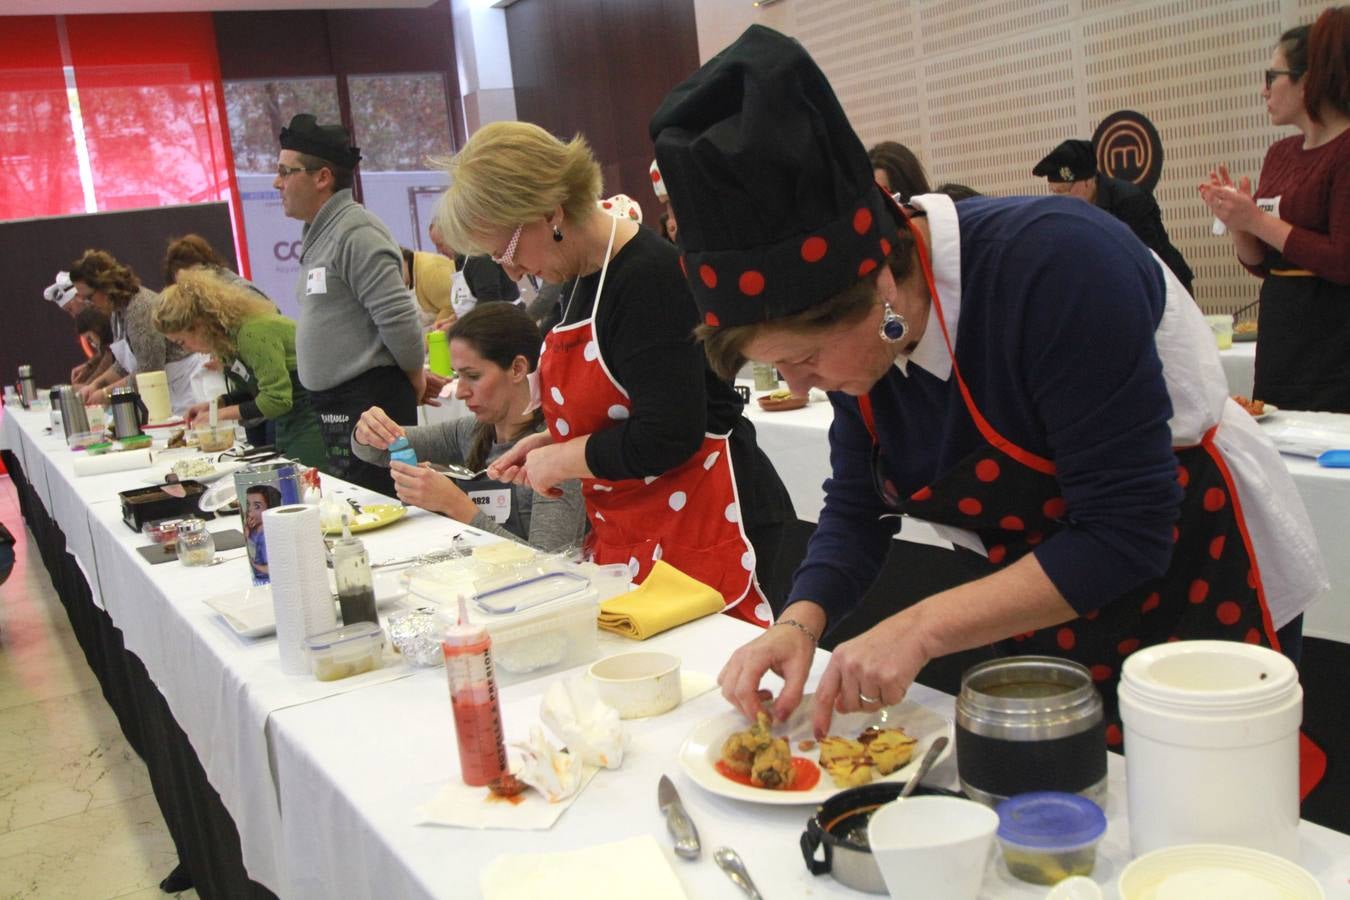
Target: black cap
{"type": "Point", "coordinates": [776, 198]}
{"type": "Point", "coordinates": [1070, 161]}
{"type": "Point", "coordinates": [331, 143]}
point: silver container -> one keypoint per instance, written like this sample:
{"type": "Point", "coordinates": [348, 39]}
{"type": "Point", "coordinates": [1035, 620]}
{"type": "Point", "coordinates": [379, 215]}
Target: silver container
{"type": "Point", "coordinates": [1030, 723]}
{"type": "Point", "coordinates": [54, 407]}
{"type": "Point", "coordinates": [128, 412]}
{"type": "Point", "coordinates": [27, 386]}
{"type": "Point", "coordinates": [73, 417]}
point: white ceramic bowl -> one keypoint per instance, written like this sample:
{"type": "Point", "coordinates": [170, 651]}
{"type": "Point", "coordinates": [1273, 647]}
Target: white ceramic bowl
{"type": "Point", "coordinates": [644, 683]}
{"type": "Point", "coordinates": [1215, 872]}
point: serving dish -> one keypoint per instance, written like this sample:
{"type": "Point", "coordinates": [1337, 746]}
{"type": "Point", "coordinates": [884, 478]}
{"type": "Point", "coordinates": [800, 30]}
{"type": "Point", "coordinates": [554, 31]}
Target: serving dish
{"type": "Point", "coordinates": [383, 514]}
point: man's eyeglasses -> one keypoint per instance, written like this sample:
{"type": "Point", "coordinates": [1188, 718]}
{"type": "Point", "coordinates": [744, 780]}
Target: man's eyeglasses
{"type": "Point", "coordinates": [1272, 74]}
{"type": "Point", "coordinates": [508, 257]}
{"type": "Point", "coordinates": [284, 172]}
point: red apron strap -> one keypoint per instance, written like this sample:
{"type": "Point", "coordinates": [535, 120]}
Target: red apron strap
{"type": "Point", "coordinates": [865, 407]}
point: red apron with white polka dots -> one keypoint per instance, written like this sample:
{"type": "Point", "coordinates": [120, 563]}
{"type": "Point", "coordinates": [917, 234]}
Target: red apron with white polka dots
{"type": "Point", "coordinates": [1011, 499]}
{"type": "Point", "coordinates": [688, 516]}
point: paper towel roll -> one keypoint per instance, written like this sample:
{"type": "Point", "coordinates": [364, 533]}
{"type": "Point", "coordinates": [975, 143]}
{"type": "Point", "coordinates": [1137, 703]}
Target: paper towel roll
{"type": "Point", "coordinates": [299, 575]}
{"type": "Point", "coordinates": [112, 462]}
{"type": "Point", "coordinates": [154, 391]}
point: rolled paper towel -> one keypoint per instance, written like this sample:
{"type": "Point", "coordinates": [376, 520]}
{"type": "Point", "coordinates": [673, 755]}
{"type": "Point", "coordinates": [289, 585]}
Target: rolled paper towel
{"type": "Point", "coordinates": [112, 462]}
{"type": "Point", "coordinates": [299, 576]}
{"type": "Point", "coordinates": [154, 390]}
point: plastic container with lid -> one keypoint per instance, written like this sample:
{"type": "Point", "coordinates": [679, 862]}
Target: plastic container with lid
{"type": "Point", "coordinates": [401, 451]}
{"type": "Point", "coordinates": [1048, 836]}
{"type": "Point", "coordinates": [346, 651]}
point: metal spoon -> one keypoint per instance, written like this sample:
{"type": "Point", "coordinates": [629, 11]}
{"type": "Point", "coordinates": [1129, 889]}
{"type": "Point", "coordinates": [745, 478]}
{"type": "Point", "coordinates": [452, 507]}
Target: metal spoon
{"type": "Point", "coordinates": [934, 751]}
{"type": "Point", "coordinates": [456, 471]}
{"type": "Point", "coordinates": [729, 862]}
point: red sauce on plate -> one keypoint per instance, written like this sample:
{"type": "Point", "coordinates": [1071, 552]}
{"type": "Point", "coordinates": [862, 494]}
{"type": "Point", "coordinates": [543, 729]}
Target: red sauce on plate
{"type": "Point", "coordinates": [806, 774]}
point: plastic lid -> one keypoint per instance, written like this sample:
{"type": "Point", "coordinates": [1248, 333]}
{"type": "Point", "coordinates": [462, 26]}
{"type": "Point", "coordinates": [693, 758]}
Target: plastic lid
{"type": "Point", "coordinates": [398, 443]}
{"type": "Point", "coordinates": [1050, 820]}
{"type": "Point", "coordinates": [357, 631]}
{"type": "Point", "coordinates": [530, 592]}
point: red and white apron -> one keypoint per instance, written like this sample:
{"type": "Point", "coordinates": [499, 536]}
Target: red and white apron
{"type": "Point", "coordinates": [1010, 498]}
{"type": "Point", "coordinates": [688, 516]}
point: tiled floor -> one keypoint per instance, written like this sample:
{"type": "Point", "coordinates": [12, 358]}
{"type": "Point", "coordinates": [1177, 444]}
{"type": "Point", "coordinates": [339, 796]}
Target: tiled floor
{"type": "Point", "coordinates": [77, 818]}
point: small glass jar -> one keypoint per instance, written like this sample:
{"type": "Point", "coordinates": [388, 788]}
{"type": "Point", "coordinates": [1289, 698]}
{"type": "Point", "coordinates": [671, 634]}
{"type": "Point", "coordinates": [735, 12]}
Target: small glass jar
{"type": "Point", "coordinates": [356, 591]}
{"type": "Point", "coordinates": [196, 545]}
{"type": "Point", "coordinates": [766, 377]}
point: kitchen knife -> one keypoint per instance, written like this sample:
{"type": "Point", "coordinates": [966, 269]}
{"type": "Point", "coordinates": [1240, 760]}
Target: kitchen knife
{"type": "Point", "coordinates": [677, 820]}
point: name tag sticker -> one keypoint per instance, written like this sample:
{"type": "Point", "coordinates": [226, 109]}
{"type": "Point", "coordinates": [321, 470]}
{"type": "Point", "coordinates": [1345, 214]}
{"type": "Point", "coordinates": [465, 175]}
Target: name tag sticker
{"type": "Point", "coordinates": [240, 369]}
{"type": "Point", "coordinates": [1269, 205]}
{"type": "Point", "coordinates": [496, 503]}
{"type": "Point", "coordinates": [316, 281]}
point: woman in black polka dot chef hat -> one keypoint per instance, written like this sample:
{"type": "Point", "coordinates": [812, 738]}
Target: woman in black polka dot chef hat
{"type": "Point", "coordinates": [669, 467]}
{"type": "Point", "coordinates": [1022, 370]}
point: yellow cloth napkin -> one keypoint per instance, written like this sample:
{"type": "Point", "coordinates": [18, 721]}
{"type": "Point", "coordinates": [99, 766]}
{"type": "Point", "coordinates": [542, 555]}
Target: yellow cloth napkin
{"type": "Point", "coordinates": [666, 599]}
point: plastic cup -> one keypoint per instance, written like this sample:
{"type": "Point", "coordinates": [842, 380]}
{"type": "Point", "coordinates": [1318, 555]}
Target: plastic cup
{"type": "Point", "coordinates": [1222, 326]}
{"type": "Point", "coordinates": [933, 846]}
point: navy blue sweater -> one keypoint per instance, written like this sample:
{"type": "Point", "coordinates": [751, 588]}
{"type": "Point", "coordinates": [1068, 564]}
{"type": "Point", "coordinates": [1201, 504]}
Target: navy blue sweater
{"type": "Point", "coordinates": [1055, 340]}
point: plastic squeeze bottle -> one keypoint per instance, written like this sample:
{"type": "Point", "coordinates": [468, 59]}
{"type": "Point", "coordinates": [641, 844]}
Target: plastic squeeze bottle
{"type": "Point", "coordinates": [473, 697]}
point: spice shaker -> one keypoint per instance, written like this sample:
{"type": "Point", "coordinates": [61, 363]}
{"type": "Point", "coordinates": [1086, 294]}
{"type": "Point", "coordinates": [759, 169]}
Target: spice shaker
{"type": "Point", "coordinates": [196, 545]}
{"type": "Point", "coordinates": [356, 592]}
{"type": "Point", "coordinates": [473, 697]}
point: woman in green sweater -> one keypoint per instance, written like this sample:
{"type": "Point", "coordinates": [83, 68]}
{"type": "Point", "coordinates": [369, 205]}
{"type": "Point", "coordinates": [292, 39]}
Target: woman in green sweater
{"type": "Point", "coordinates": [206, 314]}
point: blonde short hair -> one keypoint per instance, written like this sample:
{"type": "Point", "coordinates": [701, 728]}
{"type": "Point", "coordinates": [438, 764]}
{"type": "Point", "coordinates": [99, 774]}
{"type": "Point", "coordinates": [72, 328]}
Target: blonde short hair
{"type": "Point", "coordinates": [513, 173]}
{"type": "Point", "coordinates": [201, 301]}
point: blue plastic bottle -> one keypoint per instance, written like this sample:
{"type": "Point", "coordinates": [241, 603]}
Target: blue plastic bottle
{"type": "Point", "coordinates": [401, 451]}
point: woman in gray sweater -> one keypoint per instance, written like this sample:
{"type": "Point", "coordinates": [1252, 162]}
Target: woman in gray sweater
{"type": "Point", "coordinates": [495, 347]}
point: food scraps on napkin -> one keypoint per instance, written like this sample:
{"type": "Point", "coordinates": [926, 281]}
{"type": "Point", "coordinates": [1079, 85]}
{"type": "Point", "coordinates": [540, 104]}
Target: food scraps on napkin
{"type": "Point", "coordinates": [634, 867]}
{"type": "Point", "coordinates": [586, 724]}
{"type": "Point", "coordinates": [667, 598]}
{"type": "Point", "coordinates": [551, 771]}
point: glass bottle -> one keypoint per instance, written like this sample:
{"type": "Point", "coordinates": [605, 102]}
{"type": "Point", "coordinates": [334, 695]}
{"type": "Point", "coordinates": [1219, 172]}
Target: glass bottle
{"type": "Point", "coordinates": [474, 699]}
{"type": "Point", "coordinates": [196, 546]}
{"type": "Point", "coordinates": [356, 591]}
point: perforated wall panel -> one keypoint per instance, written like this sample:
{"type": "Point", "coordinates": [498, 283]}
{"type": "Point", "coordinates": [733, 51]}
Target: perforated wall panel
{"type": "Point", "coordinates": [982, 90]}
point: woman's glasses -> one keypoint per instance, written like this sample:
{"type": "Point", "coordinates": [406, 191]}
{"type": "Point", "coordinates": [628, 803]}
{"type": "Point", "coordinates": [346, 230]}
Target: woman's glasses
{"type": "Point", "coordinates": [508, 257]}
{"type": "Point", "coordinates": [1272, 74]}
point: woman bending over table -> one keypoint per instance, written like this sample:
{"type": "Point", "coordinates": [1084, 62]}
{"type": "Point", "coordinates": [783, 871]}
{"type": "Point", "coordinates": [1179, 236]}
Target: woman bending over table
{"type": "Point", "coordinates": [494, 348]}
{"type": "Point", "coordinates": [1020, 370]}
{"type": "Point", "coordinates": [669, 467]}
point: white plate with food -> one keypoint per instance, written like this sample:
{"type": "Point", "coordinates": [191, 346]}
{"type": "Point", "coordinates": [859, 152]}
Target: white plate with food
{"type": "Point", "coordinates": [701, 752]}
{"type": "Point", "coordinates": [250, 613]}
{"type": "Point", "coordinates": [204, 469]}
{"type": "Point", "coordinates": [1257, 409]}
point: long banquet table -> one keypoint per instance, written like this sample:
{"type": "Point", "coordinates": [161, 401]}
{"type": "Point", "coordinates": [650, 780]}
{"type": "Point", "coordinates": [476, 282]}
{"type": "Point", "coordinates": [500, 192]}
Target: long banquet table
{"type": "Point", "coordinates": [323, 781]}
{"type": "Point", "coordinates": [797, 441]}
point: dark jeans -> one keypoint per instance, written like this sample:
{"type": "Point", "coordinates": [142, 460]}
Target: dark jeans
{"type": "Point", "coordinates": [340, 407]}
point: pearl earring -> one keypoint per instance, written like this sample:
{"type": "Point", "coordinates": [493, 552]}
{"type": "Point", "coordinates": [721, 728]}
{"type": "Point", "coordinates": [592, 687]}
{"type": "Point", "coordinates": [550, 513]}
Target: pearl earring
{"type": "Point", "coordinates": [893, 326]}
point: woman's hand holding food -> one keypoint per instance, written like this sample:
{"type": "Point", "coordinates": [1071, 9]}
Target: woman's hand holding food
{"type": "Point", "coordinates": [423, 487]}
{"type": "Point", "coordinates": [510, 466]}
{"type": "Point", "coordinates": [376, 429]}
{"type": "Point", "coordinates": [784, 649]}
{"type": "Point", "coordinates": [871, 671]}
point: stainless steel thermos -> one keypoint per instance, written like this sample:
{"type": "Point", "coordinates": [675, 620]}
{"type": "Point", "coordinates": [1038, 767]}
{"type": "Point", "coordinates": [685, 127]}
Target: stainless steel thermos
{"type": "Point", "coordinates": [128, 412]}
{"type": "Point", "coordinates": [27, 387]}
{"type": "Point", "coordinates": [73, 417]}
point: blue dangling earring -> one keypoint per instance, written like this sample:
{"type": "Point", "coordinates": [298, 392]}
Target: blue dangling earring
{"type": "Point", "coordinates": [893, 326]}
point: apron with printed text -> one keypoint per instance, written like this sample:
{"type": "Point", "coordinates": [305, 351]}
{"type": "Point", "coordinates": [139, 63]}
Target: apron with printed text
{"type": "Point", "coordinates": [688, 516]}
{"type": "Point", "coordinates": [1011, 499]}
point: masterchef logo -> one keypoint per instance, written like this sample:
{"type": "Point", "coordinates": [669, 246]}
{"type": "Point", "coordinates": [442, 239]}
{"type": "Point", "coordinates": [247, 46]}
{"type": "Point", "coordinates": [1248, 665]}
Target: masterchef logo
{"type": "Point", "coordinates": [1128, 148]}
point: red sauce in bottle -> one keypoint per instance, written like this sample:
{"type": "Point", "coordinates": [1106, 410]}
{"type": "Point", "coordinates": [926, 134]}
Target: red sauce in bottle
{"type": "Point", "coordinates": [473, 698]}
{"type": "Point", "coordinates": [806, 774]}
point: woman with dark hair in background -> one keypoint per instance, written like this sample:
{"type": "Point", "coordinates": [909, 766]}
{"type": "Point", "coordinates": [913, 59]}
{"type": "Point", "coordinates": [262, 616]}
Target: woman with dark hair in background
{"type": "Point", "coordinates": [1295, 231]}
{"type": "Point", "coordinates": [494, 348]}
{"type": "Point", "coordinates": [95, 330]}
{"type": "Point", "coordinates": [898, 170]}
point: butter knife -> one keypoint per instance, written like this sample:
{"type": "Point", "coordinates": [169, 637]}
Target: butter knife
{"type": "Point", "coordinates": [677, 820]}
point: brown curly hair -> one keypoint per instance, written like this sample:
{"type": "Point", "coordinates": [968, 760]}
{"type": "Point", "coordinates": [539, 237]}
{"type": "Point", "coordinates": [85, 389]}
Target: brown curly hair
{"type": "Point", "coordinates": [99, 270]}
{"type": "Point", "coordinates": [188, 251]}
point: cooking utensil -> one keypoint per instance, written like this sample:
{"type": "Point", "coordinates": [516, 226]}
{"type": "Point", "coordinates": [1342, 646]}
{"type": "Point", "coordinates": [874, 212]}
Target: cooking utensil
{"type": "Point", "coordinates": [677, 820]}
{"type": "Point", "coordinates": [456, 471]}
{"type": "Point", "coordinates": [729, 862]}
{"type": "Point", "coordinates": [354, 505]}
{"type": "Point", "coordinates": [934, 751]}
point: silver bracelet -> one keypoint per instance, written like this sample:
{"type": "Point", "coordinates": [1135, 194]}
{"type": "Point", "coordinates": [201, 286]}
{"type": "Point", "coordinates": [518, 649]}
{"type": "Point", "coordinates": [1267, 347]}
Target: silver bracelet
{"type": "Point", "coordinates": [815, 641]}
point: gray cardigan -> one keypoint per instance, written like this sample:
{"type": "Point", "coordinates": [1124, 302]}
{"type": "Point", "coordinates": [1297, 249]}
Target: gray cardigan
{"type": "Point", "coordinates": [550, 523]}
{"type": "Point", "coordinates": [356, 314]}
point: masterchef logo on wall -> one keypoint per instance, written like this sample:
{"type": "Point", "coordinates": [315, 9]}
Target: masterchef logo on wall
{"type": "Point", "coordinates": [1128, 148]}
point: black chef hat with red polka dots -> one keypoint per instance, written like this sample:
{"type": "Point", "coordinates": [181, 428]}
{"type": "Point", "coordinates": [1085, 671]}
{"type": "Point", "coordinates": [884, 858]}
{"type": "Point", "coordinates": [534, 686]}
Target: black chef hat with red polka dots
{"type": "Point", "coordinates": [777, 203]}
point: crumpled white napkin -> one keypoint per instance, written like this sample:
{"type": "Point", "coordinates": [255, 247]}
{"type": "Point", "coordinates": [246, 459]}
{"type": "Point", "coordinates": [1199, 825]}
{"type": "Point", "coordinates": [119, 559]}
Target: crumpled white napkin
{"type": "Point", "coordinates": [586, 724]}
{"type": "Point", "coordinates": [552, 772]}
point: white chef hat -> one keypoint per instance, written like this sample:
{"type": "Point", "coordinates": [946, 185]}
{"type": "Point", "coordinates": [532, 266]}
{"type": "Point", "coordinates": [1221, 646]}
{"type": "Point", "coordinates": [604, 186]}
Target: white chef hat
{"type": "Point", "coordinates": [61, 291]}
{"type": "Point", "coordinates": [622, 206]}
{"type": "Point", "coordinates": [658, 185]}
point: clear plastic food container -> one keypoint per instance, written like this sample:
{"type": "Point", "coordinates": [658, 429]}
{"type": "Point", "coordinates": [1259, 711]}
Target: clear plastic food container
{"type": "Point", "coordinates": [163, 531]}
{"type": "Point", "coordinates": [82, 439]}
{"type": "Point", "coordinates": [214, 440]}
{"type": "Point", "coordinates": [346, 651]}
{"type": "Point", "coordinates": [1048, 836]}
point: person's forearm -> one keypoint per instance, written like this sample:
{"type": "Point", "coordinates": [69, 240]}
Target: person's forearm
{"type": "Point", "coordinates": [1249, 249]}
{"type": "Point", "coordinates": [1270, 230]}
{"type": "Point", "coordinates": [1014, 600]}
{"type": "Point", "coordinates": [573, 458]}
{"type": "Point", "coordinates": [808, 614]}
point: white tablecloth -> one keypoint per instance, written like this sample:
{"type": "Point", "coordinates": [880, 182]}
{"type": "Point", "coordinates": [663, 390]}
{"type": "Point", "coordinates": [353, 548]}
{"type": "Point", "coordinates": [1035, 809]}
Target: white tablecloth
{"type": "Point", "coordinates": [1239, 367]}
{"type": "Point", "coordinates": [797, 441]}
{"type": "Point", "coordinates": [324, 786]}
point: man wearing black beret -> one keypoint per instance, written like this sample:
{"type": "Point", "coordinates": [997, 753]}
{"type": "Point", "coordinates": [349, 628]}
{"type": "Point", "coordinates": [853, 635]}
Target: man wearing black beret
{"type": "Point", "coordinates": [358, 340]}
{"type": "Point", "coordinates": [1071, 168]}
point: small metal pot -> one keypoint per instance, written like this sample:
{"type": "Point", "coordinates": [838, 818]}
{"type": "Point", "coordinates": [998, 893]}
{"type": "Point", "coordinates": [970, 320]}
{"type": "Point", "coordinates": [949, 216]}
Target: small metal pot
{"type": "Point", "coordinates": [840, 827]}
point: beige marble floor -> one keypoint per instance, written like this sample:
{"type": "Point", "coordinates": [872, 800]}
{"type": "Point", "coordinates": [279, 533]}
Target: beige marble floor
{"type": "Point", "coordinates": [77, 818]}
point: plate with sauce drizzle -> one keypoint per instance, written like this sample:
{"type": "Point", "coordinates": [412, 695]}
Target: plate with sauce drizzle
{"type": "Point", "coordinates": [702, 750]}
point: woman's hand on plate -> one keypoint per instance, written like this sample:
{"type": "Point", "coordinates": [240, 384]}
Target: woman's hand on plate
{"type": "Point", "coordinates": [784, 650]}
{"type": "Point", "coordinates": [871, 671]}
{"type": "Point", "coordinates": [376, 429]}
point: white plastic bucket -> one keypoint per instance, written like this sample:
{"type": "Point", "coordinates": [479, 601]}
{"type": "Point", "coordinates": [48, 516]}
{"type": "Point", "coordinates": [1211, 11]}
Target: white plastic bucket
{"type": "Point", "coordinates": [1211, 746]}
